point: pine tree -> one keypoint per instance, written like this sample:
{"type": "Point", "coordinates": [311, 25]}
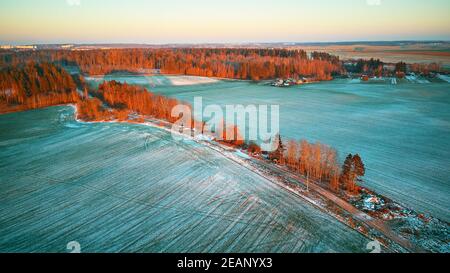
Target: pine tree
{"type": "Point", "coordinates": [352, 170]}
{"type": "Point", "coordinates": [347, 175]}
{"type": "Point", "coordinates": [278, 151]}
{"type": "Point", "coordinates": [360, 170]}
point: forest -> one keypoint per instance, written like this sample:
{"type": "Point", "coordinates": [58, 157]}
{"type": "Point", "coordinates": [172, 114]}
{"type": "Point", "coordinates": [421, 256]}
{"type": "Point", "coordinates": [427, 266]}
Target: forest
{"type": "Point", "coordinates": [35, 85]}
{"type": "Point", "coordinates": [375, 67]}
{"type": "Point", "coordinates": [117, 101]}
{"type": "Point", "coordinates": [233, 63]}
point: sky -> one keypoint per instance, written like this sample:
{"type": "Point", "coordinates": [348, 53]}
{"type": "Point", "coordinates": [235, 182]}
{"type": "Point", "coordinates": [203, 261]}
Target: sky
{"type": "Point", "coordinates": [225, 21]}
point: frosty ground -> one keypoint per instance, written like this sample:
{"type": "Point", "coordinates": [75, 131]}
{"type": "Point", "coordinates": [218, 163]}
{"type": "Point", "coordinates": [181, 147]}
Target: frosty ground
{"type": "Point", "coordinates": [149, 179]}
{"type": "Point", "coordinates": [128, 188]}
{"type": "Point", "coordinates": [400, 130]}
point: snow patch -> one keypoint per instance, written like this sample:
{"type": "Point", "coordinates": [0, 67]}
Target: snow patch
{"type": "Point", "coordinates": [444, 77]}
{"type": "Point", "coordinates": [201, 137]}
{"type": "Point", "coordinates": [371, 202]}
{"type": "Point", "coordinates": [415, 79]}
{"type": "Point", "coordinates": [242, 154]}
{"type": "Point", "coordinates": [190, 80]}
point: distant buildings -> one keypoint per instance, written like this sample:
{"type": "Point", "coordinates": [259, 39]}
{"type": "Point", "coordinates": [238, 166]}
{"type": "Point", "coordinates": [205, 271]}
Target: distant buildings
{"type": "Point", "coordinates": [283, 83]}
{"type": "Point", "coordinates": [19, 47]}
{"type": "Point", "coordinates": [26, 47]}
{"type": "Point", "coordinates": [289, 82]}
{"type": "Point", "coordinates": [66, 46]}
{"type": "Point", "coordinates": [365, 78]}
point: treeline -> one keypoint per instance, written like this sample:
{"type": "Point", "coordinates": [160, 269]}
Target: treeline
{"type": "Point", "coordinates": [371, 67]}
{"type": "Point", "coordinates": [235, 63]}
{"type": "Point", "coordinates": [425, 68]}
{"type": "Point", "coordinates": [35, 85]}
{"type": "Point", "coordinates": [115, 100]}
{"type": "Point", "coordinates": [136, 99]}
{"type": "Point", "coordinates": [316, 161]}
{"type": "Point", "coordinates": [325, 57]}
{"type": "Point", "coordinates": [375, 67]}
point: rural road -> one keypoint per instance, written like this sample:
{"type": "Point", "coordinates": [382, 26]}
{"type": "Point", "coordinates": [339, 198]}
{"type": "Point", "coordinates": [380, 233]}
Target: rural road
{"type": "Point", "coordinates": [376, 224]}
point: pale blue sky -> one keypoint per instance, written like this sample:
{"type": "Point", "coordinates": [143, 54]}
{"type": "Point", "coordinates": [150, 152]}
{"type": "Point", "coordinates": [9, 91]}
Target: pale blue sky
{"type": "Point", "coordinates": [180, 21]}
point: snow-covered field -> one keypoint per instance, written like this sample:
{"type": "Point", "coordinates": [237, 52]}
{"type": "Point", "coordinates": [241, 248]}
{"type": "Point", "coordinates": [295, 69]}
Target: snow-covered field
{"type": "Point", "coordinates": [132, 188]}
{"type": "Point", "coordinates": [154, 81]}
{"type": "Point", "coordinates": [401, 131]}
{"type": "Point", "coordinates": [190, 80]}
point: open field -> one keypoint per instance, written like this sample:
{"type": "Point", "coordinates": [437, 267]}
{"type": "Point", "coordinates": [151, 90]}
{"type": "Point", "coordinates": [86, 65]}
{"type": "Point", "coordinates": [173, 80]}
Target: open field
{"type": "Point", "coordinates": [409, 53]}
{"type": "Point", "coordinates": [127, 188]}
{"type": "Point", "coordinates": [155, 80]}
{"type": "Point", "coordinates": [399, 130]}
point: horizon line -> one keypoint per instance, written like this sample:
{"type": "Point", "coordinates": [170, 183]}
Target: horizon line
{"type": "Point", "coordinates": [233, 43]}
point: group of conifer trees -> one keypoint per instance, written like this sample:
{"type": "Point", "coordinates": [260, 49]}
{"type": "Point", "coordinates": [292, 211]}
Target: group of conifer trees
{"type": "Point", "coordinates": [35, 85]}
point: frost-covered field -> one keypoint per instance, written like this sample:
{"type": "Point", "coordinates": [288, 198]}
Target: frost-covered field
{"type": "Point", "coordinates": [127, 188]}
{"type": "Point", "coordinates": [154, 81]}
{"type": "Point", "coordinates": [401, 130]}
